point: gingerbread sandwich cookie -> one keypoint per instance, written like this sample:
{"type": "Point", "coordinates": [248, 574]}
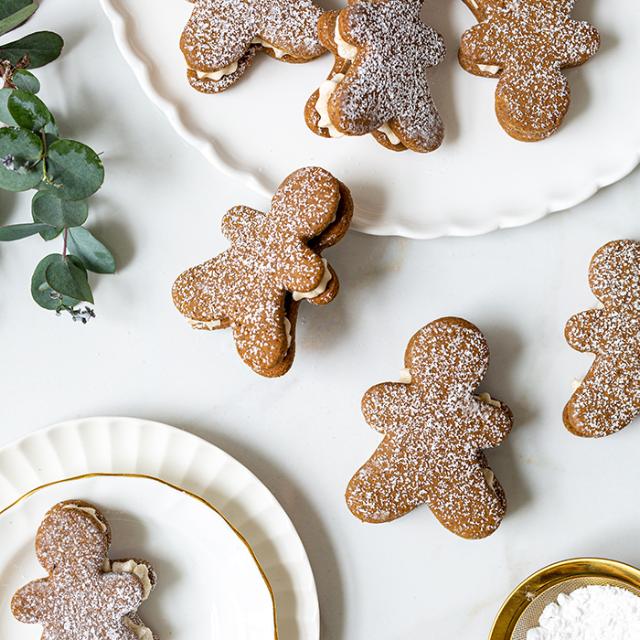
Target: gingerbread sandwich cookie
{"type": "Point", "coordinates": [527, 44]}
{"type": "Point", "coordinates": [222, 38]}
{"type": "Point", "coordinates": [608, 398]}
{"type": "Point", "coordinates": [436, 428]}
{"type": "Point", "coordinates": [274, 262]}
{"type": "Point", "coordinates": [85, 595]}
{"type": "Point", "coordinates": [378, 83]}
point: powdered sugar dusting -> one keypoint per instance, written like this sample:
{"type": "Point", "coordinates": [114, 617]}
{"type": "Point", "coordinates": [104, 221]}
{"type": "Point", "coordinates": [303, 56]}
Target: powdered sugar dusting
{"type": "Point", "coordinates": [531, 41]}
{"type": "Point", "coordinates": [435, 431]}
{"type": "Point", "coordinates": [608, 398]}
{"type": "Point", "coordinates": [79, 600]}
{"type": "Point", "coordinates": [249, 287]}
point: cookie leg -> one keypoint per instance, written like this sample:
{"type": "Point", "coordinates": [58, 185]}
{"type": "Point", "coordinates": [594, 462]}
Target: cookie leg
{"type": "Point", "coordinates": [422, 128]}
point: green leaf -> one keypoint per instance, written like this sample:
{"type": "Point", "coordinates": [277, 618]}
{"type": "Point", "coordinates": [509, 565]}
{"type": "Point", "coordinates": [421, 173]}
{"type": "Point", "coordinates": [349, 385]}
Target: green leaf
{"type": "Point", "coordinates": [19, 231]}
{"type": "Point", "coordinates": [75, 170]}
{"type": "Point", "coordinates": [28, 110]}
{"type": "Point", "coordinates": [25, 80]}
{"type": "Point", "coordinates": [14, 12]}
{"type": "Point", "coordinates": [20, 164]}
{"type": "Point", "coordinates": [47, 207]}
{"type": "Point", "coordinates": [5, 116]}
{"type": "Point", "coordinates": [94, 255]}
{"type": "Point", "coordinates": [42, 47]}
{"type": "Point", "coordinates": [69, 277]}
{"type": "Point", "coordinates": [42, 293]}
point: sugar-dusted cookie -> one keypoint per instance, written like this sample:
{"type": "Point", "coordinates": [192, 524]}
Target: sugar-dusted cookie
{"type": "Point", "coordinates": [608, 398]}
{"type": "Point", "coordinates": [527, 43]}
{"type": "Point", "coordinates": [378, 83]}
{"type": "Point", "coordinates": [85, 596]}
{"type": "Point", "coordinates": [273, 263]}
{"type": "Point", "coordinates": [435, 429]}
{"type": "Point", "coordinates": [222, 37]}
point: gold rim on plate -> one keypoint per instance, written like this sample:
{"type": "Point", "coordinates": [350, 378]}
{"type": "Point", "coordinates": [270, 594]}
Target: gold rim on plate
{"type": "Point", "coordinates": [545, 578]}
{"type": "Point", "coordinates": [186, 492]}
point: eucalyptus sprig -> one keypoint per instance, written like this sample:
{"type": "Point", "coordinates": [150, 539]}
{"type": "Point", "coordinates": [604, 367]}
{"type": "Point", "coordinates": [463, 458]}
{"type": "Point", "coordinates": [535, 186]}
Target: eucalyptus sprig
{"type": "Point", "coordinates": [64, 173]}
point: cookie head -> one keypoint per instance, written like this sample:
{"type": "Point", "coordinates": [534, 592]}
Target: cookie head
{"type": "Point", "coordinates": [449, 355]}
{"type": "Point", "coordinates": [72, 533]}
{"type": "Point", "coordinates": [614, 275]}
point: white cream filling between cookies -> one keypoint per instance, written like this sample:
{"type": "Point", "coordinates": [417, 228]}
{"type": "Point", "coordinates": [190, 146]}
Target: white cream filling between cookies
{"type": "Point", "coordinates": [278, 53]}
{"type": "Point", "coordinates": [91, 512]}
{"type": "Point", "coordinates": [319, 290]}
{"type": "Point", "coordinates": [348, 52]}
{"type": "Point", "coordinates": [575, 384]}
{"type": "Point", "coordinates": [141, 571]}
{"type": "Point", "coordinates": [141, 632]}
{"type": "Point", "coordinates": [490, 479]}
{"type": "Point", "coordinates": [489, 68]}
{"type": "Point", "coordinates": [485, 397]}
{"type": "Point", "coordinates": [204, 324]}
{"type": "Point", "coordinates": [287, 331]}
{"type": "Point", "coordinates": [217, 75]}
{"type": "Point", "coordinates": [405, 376]}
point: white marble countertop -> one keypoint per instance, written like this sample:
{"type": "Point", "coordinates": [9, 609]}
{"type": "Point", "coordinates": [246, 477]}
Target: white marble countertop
{"type": "Point", "coordinates": [303, 434]}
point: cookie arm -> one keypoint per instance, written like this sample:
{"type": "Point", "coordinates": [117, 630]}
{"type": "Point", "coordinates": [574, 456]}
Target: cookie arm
{"type": "Point", "coordinates": [386, 406]}
{"type": "Point", "coordinates": [28, 603]}
{"type": "Point", "coordinates": [583, 331]}
{"type": "Point", "coordinates": [492, 425]}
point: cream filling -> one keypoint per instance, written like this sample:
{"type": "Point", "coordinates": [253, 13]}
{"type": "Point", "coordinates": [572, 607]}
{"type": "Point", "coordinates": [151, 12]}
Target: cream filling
{"type": "Point", "coordinates": [91, 512]}
{"type": "Point", "coordinates": [141, 632]}
{"type": "Point", "coordinates": [405, 376]}
{"type": "Point", "coordinates": [279, 53]}
{"type": "Point", "coordinates": [287, 331]}
{"type": "Point", "coordinates": [489, 68]}
{"type": "Point", "coordinates": [490, 479]}
{"type": "Point", "coordinates": [141, 571]}
{"type": "Point", "coordinates": [345, 49]}
{"type": "Point", "coordinates": [217, 75]}
{"type": "Point", "coordinates": [392, 137]}
{"type": "Point", "coordinates": [204, 324]}
{"type": "Point", "coordinates": [319, 290]}
{"type": "Point", "coordinates": [485, 397]}
{"type": "Point", "coordinates": [575, 384]}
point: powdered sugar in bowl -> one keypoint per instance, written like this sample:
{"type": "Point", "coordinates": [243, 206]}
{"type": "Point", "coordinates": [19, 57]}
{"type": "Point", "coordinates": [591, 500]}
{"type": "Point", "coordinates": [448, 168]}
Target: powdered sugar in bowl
{"type": "Point", "coordinates": [572, 599]}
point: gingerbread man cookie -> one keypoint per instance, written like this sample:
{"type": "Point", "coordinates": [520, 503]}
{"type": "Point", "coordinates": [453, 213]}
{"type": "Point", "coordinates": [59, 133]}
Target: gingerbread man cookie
{"type": "Point", "coordinates": [435, 430]}
{"type": "Point", "coordinates": [85, 595]}
{"type": "Point", "coordinates": [526, 44]}
{"type": "Point", "coordinates": [608, 398]}
{"type": "Point", "coordinates": [379, 84]}
{"type": "Point", "coordinates": [222, 38]}
{"type": "Point", "coordinates": [274, 262]}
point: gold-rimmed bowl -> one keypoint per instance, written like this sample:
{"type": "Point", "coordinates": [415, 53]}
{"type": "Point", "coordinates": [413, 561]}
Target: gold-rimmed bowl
{"type": "Point", "coordinates": [522, 609]}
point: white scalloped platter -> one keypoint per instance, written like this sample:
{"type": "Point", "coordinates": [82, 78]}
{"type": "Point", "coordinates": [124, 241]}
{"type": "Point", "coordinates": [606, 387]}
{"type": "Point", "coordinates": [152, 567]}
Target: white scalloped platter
{"type": "Point", "coordinates": [478, 181]}
{"type": "Point", "coordinates": [224, 550]}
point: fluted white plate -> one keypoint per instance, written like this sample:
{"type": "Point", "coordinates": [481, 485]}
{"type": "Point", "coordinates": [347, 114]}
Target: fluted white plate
{"type": "Point", "coordinates": [479, 180]}
{"type": "Point", "coordinates": [185, 539]}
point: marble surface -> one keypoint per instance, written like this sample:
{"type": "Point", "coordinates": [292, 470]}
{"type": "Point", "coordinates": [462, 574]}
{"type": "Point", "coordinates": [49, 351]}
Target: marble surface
{"type": "Point", "coordinates": [303, 435]}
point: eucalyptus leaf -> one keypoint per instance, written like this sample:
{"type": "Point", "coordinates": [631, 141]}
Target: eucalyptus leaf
{"type": "Point", "coordinates": [28, 110]}
{"type": "Point", "coordinates": [25, 80]}
{"type": "Point", "coordinates": [20, 159]}
{"type": "Point", "coordinates": [19, 231]}
{"type": "Point", "coordinates": [69, 278]}
{"type": "Point", "coordinates": [14, 12]}
{"type": "Point", "coordinates": [42, 48]}
{"type": "Point", "coordinates": [75, 170]}
{"type": "Point", "coordinates": [42, 293]}
{"type": "Point", "coordinates": [94, 255]}
{"type": "Point", "coordinates": [48, 208]}
{"type": "Point", "coordinates": [5, 116]}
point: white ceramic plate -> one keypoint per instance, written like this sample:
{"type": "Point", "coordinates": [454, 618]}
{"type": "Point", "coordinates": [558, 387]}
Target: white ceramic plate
{"type": "Point", "coordinates": [204, 567]}
{"type": "Point", "coordinates": [479, 180]}
{"type": "Point", "coordinates": [164, 525]}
